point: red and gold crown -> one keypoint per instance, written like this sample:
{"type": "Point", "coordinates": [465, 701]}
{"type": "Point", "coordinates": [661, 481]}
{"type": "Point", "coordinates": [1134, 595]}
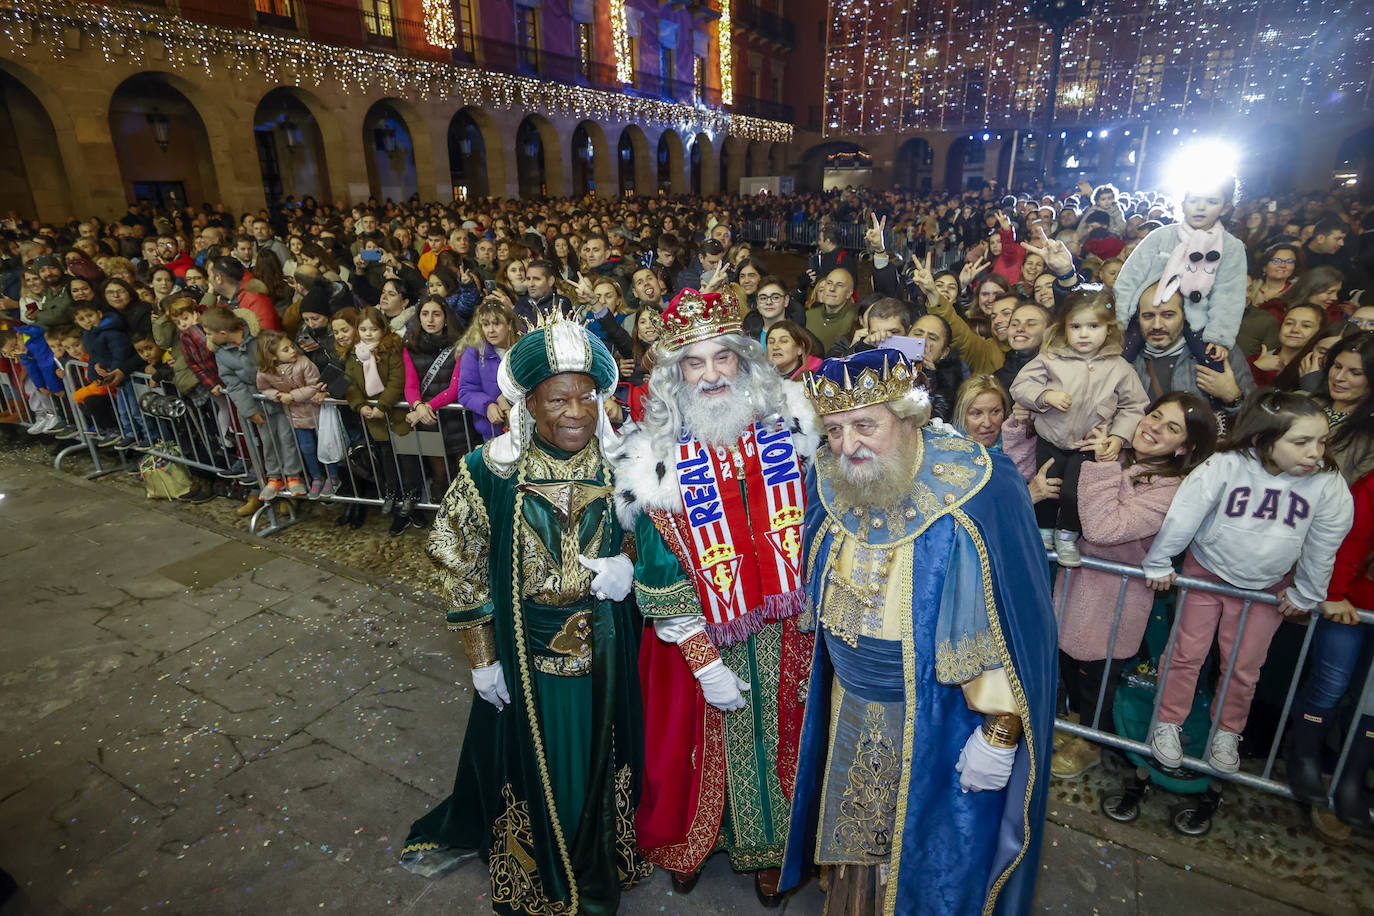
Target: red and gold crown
{"type": "Point", "coordinates": [693, 317]}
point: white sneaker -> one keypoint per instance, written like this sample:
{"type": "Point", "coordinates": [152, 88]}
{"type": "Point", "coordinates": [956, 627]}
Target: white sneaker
{"type": "Point", "coordinates": [50, 423]}
{"type": "Point", "coordinates": [1047, 538]}
{"type": "Point", "coordinates": [37, 425]}
{"type": "Point", "coordinates": [1066, 547]}
{"type": "Point", "coordinates": [1224, 755]}
{"type": "Point", "coordinates": [1165, 744]}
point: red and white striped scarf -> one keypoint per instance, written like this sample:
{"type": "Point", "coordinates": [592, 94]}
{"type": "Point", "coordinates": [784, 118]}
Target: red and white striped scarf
{"type": "Point", "coordinates": [746, 558]}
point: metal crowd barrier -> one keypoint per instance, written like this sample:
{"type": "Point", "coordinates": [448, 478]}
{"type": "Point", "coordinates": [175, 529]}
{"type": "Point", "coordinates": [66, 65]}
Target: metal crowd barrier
{"type": "Point", "coordinates": [419, 461]}
{"type": "Point", "coordinates": [87, 432]}
{"type": "Point", "coordinates": [14, 407]}
{"type": "Point", "coordinates": [1264, 780]}
{"type": "Point", "coordinates": [209, 436]}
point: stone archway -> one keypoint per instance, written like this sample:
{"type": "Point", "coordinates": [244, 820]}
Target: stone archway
{"type": "Point", "coordinates": [591, 160]}
{"type": "Point", "coordinates": [292, 142]}
{"type": "Point", "coordinates": [835, 164]}
{"type": "Point", "coordinates": [33, 172]}
{"type": "Point", "coordinates": [670, 162]}
{"type": "Point", "coordinates": [467, 156]}
{"type": "Point", "coordinates": [705, 173]}
{"type": "Point", "coordinates": [389, 147]}
{"type": "Point", "coordinates": [915, 164]}
{"type": "Point", "coordinates": [167, 153]}
{"type": "Point", "coordinates": [538, 166]}
{"type": "Point", "coordinates": [733, 159]}
{"type": "Point", "coordinates": [964, 163]}
{"type": "Point", "coordinates": [634, 163]}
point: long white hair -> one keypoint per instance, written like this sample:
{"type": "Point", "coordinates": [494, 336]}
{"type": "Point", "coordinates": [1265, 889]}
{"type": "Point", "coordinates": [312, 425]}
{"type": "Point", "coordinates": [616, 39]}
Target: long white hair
{"type": "Point", "coordinates": [757, 381]}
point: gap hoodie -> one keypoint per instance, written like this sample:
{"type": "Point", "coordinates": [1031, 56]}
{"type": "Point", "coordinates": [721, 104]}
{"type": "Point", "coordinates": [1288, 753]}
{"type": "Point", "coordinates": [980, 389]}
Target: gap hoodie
{"type": "Point", "coordinates": [1249, 526]}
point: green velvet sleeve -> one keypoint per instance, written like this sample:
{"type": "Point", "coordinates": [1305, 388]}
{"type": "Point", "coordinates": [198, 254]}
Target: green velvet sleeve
{"type": "Point", "coordinates": [661, 587]}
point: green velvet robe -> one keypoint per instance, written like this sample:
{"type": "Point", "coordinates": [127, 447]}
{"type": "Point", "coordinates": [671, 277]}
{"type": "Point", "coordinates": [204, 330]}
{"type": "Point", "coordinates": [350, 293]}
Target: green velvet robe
{"type": "Point", "coordinates": [546, 788]}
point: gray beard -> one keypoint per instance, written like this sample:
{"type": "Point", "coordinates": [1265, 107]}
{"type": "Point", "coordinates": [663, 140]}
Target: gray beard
{"type": "Point", "coordinates": [883, 481]}
{"type": "Point", "coordinates": [716, 421]}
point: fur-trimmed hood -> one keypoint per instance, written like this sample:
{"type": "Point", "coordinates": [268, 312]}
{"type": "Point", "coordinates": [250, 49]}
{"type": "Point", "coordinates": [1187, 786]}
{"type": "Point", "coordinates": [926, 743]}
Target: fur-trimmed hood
{"type": "Point", "coordinates": [643, 479]}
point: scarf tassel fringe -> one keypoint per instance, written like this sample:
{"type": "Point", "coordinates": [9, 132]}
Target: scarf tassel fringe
{"type": "Point", "coordinates": [775, 607]}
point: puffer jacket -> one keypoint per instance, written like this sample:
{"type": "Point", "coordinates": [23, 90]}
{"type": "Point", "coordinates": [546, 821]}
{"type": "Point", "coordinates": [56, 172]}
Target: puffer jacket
{"type": "Point", "coordinates": [391, 369]}
{"type": "Point", "coordinates": [1106, 392]}
{"type": "Point", "coordinates": [298, 378]}
{"type": "Point", "coordinates": [238, 369]}
{"type": "Point", "coordinates": [108, 344]}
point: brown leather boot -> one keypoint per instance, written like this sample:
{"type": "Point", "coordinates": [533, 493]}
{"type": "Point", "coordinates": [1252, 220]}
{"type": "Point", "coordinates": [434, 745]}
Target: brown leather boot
{"type": "Point", "coordinates": [766, 886]}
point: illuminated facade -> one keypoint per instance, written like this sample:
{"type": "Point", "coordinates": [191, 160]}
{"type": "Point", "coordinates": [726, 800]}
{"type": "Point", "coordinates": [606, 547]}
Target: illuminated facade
{"type": "Point", "coordinates": [258, 101]}
{"type": "Point", "coordinates": [969, 65]}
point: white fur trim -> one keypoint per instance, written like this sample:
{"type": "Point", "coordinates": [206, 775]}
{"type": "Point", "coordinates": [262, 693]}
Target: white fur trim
{"type": "Point", "coordinates": [640, 486]}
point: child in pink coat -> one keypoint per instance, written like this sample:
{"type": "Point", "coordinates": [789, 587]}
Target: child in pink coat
{"type": "Point", "coordinates": [1122, 505]}
{"type": "Point", "coordinates": [292, 381]}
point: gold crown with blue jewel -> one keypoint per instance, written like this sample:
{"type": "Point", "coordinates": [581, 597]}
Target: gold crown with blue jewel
{"type": "Point", "coordinates": [862, 380]}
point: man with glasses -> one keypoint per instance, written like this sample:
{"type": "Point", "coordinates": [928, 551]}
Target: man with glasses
{"type": "Point", "coordinates": [172, 257]}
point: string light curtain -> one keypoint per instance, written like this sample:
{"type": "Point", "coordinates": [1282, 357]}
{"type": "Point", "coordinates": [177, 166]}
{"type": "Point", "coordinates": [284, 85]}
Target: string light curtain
{"type": "Point", "coordinates": [620, 44]}
{"type": "Point", "coordinates": [900, 65]}
{"type": "Point", "coordinates": [727, 63]}
{"type": "Point", "coordinates": [39, 29]}
{"type": "Point", "coordinates": [440, 30]}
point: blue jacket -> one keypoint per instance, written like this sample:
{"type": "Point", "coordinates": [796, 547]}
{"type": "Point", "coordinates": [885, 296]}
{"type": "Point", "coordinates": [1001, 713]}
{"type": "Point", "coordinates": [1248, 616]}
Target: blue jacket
{"type": "Point", "coordinates": [37, 359]}
{"type": "Point", "coordinates": [462, 302]}
{"type": "Point", "coordinates": [108, 345]}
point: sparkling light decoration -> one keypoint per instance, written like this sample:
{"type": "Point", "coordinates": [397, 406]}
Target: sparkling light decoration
{"type": "Point", "coordinates": [727, 63]}
{"type": "Point", "coordinates": [440, 29]}
{"type": "Point", "coordinates": [961, 65]}
{"type": "Point", "coordinates": [49, 31]}
{"type": "Point", "coordinates": [620, 43]}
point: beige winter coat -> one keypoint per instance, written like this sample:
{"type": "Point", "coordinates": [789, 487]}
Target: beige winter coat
{"type": "Point", "coordinates": [1106, 393]}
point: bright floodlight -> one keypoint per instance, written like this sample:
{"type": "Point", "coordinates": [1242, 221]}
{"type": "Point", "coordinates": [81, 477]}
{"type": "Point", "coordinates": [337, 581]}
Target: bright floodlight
{"type": "Point", "coordinates": [1201, 165]}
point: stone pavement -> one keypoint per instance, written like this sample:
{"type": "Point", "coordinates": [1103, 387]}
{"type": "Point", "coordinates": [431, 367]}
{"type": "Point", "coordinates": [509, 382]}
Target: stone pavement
{"type": "Point", "coordinates": [198, 722]}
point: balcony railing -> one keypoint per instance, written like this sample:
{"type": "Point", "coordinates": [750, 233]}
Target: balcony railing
{"type": "Point", "coordinates": [768, 26]}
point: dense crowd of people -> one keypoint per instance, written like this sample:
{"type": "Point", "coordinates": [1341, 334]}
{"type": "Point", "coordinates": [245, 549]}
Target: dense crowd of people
{"type": "Point", "coordinates": [1180, 378]}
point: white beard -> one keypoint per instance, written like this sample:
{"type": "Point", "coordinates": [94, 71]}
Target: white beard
{"type": "Point", "coordinates": [880, 481]}
{"type": "Point", "coordinates": [716, 420]}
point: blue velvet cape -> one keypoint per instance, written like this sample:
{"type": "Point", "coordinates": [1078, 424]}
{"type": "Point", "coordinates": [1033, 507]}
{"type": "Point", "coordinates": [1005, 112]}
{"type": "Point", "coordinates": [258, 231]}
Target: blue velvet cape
{"type": "Point", "coordinates": [941, 868]}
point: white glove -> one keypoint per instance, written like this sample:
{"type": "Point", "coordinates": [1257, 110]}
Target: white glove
{"type": "Point", "coordinates": [614, 576]}
{"type": "Point", "coordinates": [722, 688]}
{"type": "Point", "coordinates": [490, 682]}
{"type": "Point", "coordinates": [982, 767]}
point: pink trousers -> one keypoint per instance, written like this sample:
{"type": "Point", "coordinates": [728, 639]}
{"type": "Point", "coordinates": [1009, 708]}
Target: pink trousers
{"type": "Point", "coordinates": [1202, 616]}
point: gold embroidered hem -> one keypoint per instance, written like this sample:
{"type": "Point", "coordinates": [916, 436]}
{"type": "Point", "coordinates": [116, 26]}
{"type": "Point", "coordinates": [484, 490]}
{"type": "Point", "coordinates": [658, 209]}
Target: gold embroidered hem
{"type": "Point", "coordinates": [514, 875]}
{"type": "Point", "coordinates": [759, 810]}
{"type": "Point", "coordinates": [1022, 705]}
{"type": "Point", "coordinates": [965, 661]}
{"type": "Point", "coordinates": [863, 774]}
{"type": "Point", "coordinates": [630, 865]}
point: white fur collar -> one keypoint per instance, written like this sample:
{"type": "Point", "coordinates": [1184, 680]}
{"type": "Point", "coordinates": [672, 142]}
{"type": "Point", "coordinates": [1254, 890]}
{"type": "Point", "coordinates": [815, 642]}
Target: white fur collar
{"type": "Point", "coordinates": [644, 480]}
